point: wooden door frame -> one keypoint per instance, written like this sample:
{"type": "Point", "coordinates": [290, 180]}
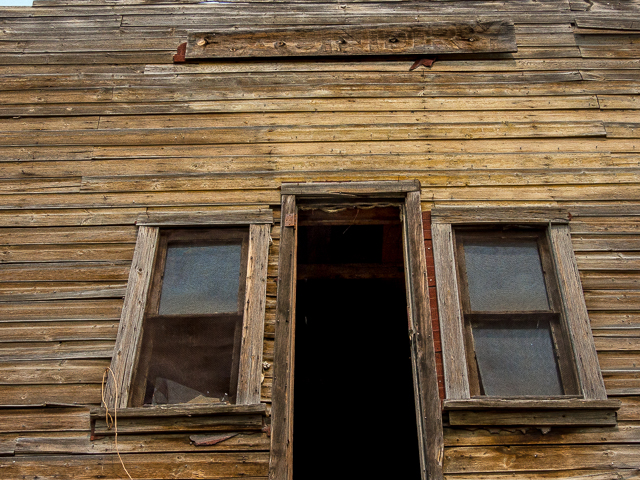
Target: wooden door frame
{"type": "Point", "coordinates": [405, 194]}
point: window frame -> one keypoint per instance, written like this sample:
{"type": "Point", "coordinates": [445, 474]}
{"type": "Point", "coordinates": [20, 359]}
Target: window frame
{"type": "Point", "coordinates": [554, 222]}
{"type": "Point", "coordinates": [127, 347]}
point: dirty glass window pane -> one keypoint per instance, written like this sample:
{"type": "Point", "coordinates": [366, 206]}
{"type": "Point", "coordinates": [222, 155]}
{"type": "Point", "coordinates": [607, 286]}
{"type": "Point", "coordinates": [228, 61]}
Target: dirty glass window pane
{"type": "Point", "coordinates": [516, 357]}
{"type": "Point", "coordinates": [191, 360]}
{"type": "Point", "coordinates": [504, 276]}
{"type": "Point", "coordinates": [201, 279]}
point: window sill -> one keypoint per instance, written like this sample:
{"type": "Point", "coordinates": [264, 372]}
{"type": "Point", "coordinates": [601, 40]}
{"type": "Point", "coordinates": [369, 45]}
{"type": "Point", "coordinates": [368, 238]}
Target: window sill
{"type": "Point", "coordinates": [181, 418]}
{"type": "Point", "coordinates": [537, 412]}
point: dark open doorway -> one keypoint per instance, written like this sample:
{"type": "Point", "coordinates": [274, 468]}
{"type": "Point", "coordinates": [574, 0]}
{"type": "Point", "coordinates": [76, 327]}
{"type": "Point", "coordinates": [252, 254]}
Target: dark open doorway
{"type": "Point", "coordinates": [354, 410]}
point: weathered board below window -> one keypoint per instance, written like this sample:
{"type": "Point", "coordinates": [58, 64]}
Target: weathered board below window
{"type": "Point", "coordinates": [425, 39]}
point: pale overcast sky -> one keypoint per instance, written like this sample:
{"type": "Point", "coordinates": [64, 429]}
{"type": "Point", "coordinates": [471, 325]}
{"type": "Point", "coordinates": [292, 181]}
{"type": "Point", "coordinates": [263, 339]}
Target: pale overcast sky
{"type": "Point", "coordinates": [15, 3]}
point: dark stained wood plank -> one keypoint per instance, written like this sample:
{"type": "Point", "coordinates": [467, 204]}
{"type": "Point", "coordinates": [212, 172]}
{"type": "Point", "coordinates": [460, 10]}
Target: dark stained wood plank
{"type": "Point", "coordinates": [533, 417]}
{"type": "Point", "coordinates": [182, 423]}
{"type": "Point", "coordinates": [385, 39]}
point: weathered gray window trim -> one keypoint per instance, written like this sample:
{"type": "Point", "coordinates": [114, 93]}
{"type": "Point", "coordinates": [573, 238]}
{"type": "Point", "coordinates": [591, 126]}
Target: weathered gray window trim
{"type": "Point", "coordinates": [405, 194]}
{"type": "Point", "coordinates": [129, 332]}
{"type": "Point", "coordinates": [591, 407]}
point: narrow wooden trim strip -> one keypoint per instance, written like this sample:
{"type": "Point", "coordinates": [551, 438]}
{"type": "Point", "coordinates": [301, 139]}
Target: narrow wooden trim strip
{"type": "Point", "coordinates": [554, 404]}
{"type": "Point", "coordinates": [427, 395]}
{"type": "Point", "coordinates": [222, 217]}
{"type": "Point", "coordinates": [453, 355]}
{"type": "Point", "coordinates": [179, 410]}
{"type": "Point", "coordinates": [387, 188]}
{"type": "Point", "coordinates": [464, 215]}
{"type": "Point", "coordinates": [130, 328]}
{"type": "Point", "coordinates": [576, 314]}
{"type": "Point", "coordinates": [282, 394]}
{"type": "Point", "coordinates": [250, 368]}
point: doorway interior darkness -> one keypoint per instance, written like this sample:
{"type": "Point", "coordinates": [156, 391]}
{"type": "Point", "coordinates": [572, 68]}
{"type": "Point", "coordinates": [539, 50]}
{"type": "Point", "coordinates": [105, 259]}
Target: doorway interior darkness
{"type": "Point", "coordinates": [354, 409]}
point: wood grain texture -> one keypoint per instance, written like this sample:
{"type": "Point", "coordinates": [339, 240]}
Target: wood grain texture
{"type": "Point", "coordinates": [453, 352]}
{"type": "Point", "coordinates": [386, 188]}
{"type": "Point", "coordinates": [250, 369]}
{"type": "Point", "coordinates": [225, 217]}
{"type": "Point", "coordinates": [422, 343]}
{"type": "Point", "coordinates": [384, 39]}
{"type": "Point", "coordinates": [575, 312]}
{"type": "Point", "coordinates": [529, 416]}
{"type": "Point", "coordinates": [280, 464]}
{"type": "Point", "coordinates": [130, 330]}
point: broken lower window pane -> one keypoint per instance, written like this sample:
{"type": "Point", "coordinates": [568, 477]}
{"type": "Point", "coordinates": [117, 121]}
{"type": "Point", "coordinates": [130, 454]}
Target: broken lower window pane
{"type": "Point", "coordinates": [504, 276]}
{"type": "Point", "coordinates": [516, 357]}
{"type": "Point", "coordinates": [201, 279]}
{"type": "Point", "coordinates": [190, 360]}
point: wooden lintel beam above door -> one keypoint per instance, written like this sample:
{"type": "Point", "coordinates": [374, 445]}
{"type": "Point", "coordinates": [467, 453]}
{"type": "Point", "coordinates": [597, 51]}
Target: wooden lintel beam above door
{"type": "Point", "coordinates": [384, 39]}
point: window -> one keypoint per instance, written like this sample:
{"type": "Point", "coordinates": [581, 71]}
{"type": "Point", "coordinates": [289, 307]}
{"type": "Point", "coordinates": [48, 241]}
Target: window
{"type": "Point", "coordinates": [514, 324]}
{"type": "Point", "coordinates": [193, 318]}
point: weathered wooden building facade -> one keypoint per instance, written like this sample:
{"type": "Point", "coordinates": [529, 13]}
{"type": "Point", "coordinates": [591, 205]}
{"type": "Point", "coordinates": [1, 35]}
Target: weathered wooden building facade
{"type": "Point", "coordinates": [484, 203]}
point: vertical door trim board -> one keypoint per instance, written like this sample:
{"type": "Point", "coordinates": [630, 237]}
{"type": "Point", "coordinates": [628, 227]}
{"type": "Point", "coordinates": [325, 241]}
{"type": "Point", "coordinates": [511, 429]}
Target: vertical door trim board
{"type": "Point", "coordinates": [407, 194]}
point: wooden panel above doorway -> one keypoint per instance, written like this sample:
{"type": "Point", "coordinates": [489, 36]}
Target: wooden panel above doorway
{"type": "Point", "coordinates": [385, 39]}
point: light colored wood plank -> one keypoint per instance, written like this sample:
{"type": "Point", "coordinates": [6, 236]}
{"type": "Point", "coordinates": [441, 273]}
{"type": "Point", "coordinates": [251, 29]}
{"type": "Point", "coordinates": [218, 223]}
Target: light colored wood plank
{"type": "Point", "coordinates": [45, 420]}
{"type": "Point", "coordinates": [451, 336]}
{"type": "Point", "coordinates": [214, 465]}
{"type": "Point", "coordinates": [250, 369]}
{"type": "Point", "coordinates": [74, 444]}
{"type": "Point", "coordinates": [502, 215]}
{"type": "Point", "coordinates": [575, 313]}
{"type": "Point", "coordinates": [350, 188]}
{"type": "Point", "coordinates": [540, 458]}
{"type": "Point", "coordinates": [130, 330]}
{"type": "Point", "coordinates": [428, 410]}
{"type": "Point", "coordinates": [52, 372]}
{"type": "Point", "coordinates": [223, 217]}
{"type": "Point", "coordinates": [101, 309]}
